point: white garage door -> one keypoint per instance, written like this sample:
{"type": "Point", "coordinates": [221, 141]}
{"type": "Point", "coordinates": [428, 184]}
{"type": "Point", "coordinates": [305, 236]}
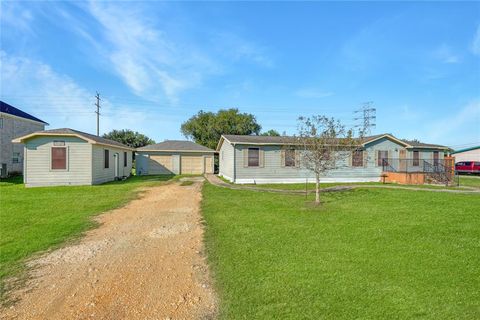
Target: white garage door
{"type": "Point", "coordinates": [192, 165]}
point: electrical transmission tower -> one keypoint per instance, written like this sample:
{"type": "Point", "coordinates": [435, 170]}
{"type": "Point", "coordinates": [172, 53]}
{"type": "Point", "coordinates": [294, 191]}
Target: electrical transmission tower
{"type": "Point", "coordinates": [366, 117]}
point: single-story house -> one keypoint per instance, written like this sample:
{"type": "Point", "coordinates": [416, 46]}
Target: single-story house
{"type": "Point", "coordinates": [468, 154]}
{"type": "Point", "coordinates": [70, 157]}
{"type": "Point", "coordinates": [174, 157]}
{"type": "Point", "coordinates": [267, 159]}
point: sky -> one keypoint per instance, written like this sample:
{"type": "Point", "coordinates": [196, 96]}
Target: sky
{"type": "Point", "coordinates": [155, 64]}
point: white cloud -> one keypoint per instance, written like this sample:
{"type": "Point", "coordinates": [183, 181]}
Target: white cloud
{"type": "Point", "coordinates": [57, 99]}
{"type": "Point", "coordinates": [476, 42]}
{"type": "Point", "coordinates": [445, 54]}
{"type": "Point", "coordinates": [145, 57]}
{"type": "Point", "coordinates": [312, 93]}
{"type": "Point", "coordinates": [16, 17]}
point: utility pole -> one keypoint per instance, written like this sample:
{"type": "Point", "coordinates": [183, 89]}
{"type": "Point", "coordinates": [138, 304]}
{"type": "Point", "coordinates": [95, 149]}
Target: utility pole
{"type": "Point", "coordinates": [97, 104]}
{"type": "Point", "coordinates": [366, 117]}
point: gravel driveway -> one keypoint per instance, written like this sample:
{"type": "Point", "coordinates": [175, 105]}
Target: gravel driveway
{"type": "Point", "coordinates": [145, 261]}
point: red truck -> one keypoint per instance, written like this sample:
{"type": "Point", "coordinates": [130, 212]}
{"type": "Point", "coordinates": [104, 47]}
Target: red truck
{"type": "Point", "coordinates": [469, 167]}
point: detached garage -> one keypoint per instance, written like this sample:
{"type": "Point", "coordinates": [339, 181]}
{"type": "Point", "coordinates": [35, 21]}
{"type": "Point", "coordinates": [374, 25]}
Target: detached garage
{"type": "Point", "coordinates": [174, 157]}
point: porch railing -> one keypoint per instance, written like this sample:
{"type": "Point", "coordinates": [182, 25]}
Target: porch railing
{"type": "Point", "coordinates": [437, 170]}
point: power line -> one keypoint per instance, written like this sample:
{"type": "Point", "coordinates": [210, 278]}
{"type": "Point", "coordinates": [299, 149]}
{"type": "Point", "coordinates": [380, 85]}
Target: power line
{"type": "Point", "coordinates": [366, 118]}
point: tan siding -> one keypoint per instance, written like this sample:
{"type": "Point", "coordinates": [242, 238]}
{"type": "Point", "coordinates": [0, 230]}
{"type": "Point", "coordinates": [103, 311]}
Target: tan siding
{"type": "Point", "coordinates": [38, 159]}
{"type": "Point", "coordinates": [101, 174]}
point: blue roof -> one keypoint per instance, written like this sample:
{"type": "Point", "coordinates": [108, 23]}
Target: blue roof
{"type": "Point", "coordinates": [6, 108]}
{"type": "Point", "coordinates": [466, 149]}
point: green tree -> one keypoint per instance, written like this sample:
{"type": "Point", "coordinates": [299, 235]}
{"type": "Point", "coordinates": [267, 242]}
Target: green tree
{"type": "Point", "coordinates": [128, 137]}
{"type": "Point", "coordinates": [205, 128]}
{"type": "Point", "coordinates": [271, 132]}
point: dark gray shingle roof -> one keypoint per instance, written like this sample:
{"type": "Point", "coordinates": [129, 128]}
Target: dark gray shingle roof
{"type": "Point", "coordinates": [6, 108]}
{"type": "Point", "coordinates": [259, 139]}
{"type": "Point", "coordinates": [289, 139]}
{"type": "Point", "coordinates": [176, 145]}
{"type": "Point", "coordinates": [85, 135]}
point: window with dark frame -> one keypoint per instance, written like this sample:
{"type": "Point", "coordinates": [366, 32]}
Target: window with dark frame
{"type": "Point", "coordinates": [382, 155]}
{"type": "Point", "coordinates": [290, 158]}
{"type": "Point", "coordinates": [357, 158]}
{"type": "Point", "coordinates": [16, 157]}
{"type": "Point", "coordinates": [59, 158]}
{"type": "Point", "coordinates": [253, 157]}
{"type": "Point", "coordinates": [125, 159]}
{"type": "Point", "coordinates": [106, 158]}
{"type": "Point", "coordinates": [416, 158]}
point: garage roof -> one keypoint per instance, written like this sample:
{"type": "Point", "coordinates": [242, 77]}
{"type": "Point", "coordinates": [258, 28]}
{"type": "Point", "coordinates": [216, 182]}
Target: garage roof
{"type": "Point", "coordinates": [176, 145]}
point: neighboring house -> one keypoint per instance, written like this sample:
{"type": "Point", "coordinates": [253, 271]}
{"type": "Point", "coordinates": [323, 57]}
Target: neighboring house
{"type": "Point", "coordinates": [265, 159]}
{"type": "Point", "coordinates": [174, 157]}
{"type": "Point", "coordinates": [468, 154]}
{"type": "Point", "coordinates": [14, 123]}
{"type": "Point", "coordinates": [71, 157]}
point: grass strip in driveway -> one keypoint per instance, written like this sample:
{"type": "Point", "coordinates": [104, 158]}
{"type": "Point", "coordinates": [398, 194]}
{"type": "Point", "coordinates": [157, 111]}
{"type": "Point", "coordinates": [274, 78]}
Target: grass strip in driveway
{"type": "Point", "coordinates": [36, 219]}
{"type": "Point", "coordinates": [366, 253]}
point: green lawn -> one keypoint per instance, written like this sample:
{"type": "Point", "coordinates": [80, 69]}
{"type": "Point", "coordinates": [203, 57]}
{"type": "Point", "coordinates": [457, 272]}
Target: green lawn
{"type": "Point", "coordinates": [365, 254]}
{"type": "Point", "coordinates": [35, 219]}
{"type": "Point", "coordinates": [470, 181]}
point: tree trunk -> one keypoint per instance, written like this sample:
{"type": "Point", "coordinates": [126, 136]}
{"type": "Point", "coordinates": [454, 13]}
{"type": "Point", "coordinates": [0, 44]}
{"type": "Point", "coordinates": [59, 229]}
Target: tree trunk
{"type": "Point", "coordinates": [317, 189]}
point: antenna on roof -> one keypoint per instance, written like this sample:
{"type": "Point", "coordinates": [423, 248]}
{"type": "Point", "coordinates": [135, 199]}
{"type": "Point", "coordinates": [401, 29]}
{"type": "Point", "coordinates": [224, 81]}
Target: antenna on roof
{"type": "Point", "coordinates": [366, 118]}
{"type": "Point", "coordinates": [97, 104]}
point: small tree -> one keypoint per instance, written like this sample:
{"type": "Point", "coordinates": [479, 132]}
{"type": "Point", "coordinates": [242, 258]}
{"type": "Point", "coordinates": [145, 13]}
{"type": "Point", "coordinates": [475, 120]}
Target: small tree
{"type": "Point", "coordinates": [326, 143]}
{"type": "Point", "coordinates": [128, 137]}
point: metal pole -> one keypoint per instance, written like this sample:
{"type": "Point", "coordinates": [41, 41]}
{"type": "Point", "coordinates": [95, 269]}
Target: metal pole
{"type": "Point", "coordinates": [97, 104]}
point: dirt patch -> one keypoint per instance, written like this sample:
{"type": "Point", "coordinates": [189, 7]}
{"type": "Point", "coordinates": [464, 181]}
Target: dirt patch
{"type": "Point", "coordinates": [143, 262]}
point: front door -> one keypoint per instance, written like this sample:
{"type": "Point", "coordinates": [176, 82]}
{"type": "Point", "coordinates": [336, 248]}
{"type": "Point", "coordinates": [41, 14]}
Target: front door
{"type": "Point", "coordinates": [402, 166]}
{"type": "Point", "coordinates": [116, 164]}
